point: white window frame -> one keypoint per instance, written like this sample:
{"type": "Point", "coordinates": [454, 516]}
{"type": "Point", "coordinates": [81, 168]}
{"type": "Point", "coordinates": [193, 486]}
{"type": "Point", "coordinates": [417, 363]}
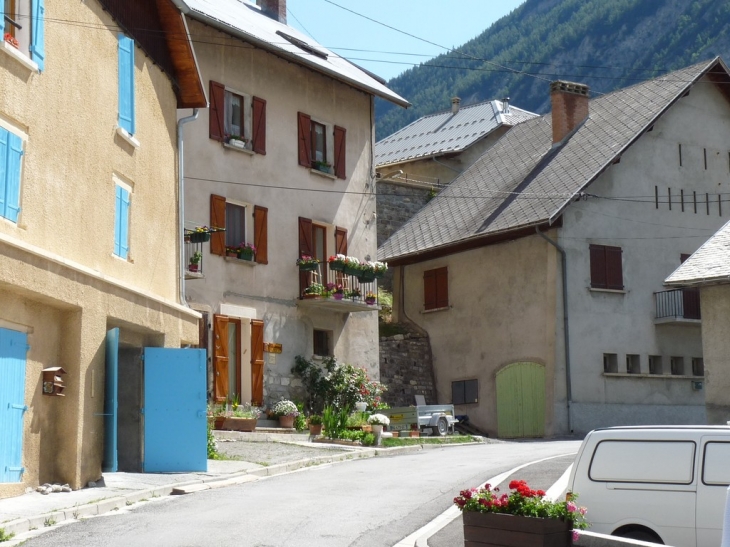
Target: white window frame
{"type": "Point", "coordinates": [329, 138]}
{"type": "Point", "coordinates": [247, 219]}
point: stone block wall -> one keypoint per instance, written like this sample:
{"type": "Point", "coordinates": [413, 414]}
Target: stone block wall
{"type": "Point", "coordinates": [406, 367]}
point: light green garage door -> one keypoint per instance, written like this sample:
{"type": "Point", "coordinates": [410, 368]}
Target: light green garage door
{"type": "Point", "coordinates": [521, 401]}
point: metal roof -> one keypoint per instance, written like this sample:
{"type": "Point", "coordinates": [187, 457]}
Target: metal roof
{"type": "Point", "coordinates": [523, 180]}
{"type": "Point", "coordinates": [709, 264]}
{"type": "Point", "coordinates": [245, 21]}
{"type": "Point", "coordinates": [446, 132]}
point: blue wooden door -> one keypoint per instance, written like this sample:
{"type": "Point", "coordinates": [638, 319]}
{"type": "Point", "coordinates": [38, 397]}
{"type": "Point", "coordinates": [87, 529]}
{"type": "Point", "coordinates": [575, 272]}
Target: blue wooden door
{"type": "Point", "coordinates": [111, 398]}
{"type": "Point", "coordinates": [13, 349]}
{"type": "Point", "coordinates": [175, 422]}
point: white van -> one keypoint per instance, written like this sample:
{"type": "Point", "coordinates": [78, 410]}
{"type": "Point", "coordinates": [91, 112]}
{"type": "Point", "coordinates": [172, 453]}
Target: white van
{"type": "Point", "coordinates": [665, 484]}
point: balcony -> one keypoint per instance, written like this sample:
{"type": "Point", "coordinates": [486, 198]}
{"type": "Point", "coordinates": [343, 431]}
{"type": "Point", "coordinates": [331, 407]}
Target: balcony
{"type": "Point", "coordinates": [193, 242]}
{"type": "Point", "coordinates": [678, 306]}
{"type": "Point", "coordinates": [321, 292]}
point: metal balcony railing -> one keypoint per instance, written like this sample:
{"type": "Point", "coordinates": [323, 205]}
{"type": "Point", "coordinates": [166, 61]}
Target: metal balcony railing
{"type": "Point", "coordinates": [678, 303]}
{"type": "Point", "coordinates": [337, 290]}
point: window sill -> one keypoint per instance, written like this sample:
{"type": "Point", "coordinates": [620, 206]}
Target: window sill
{"type": "Point", "coordinates": [237, 149]}
{"type": "Point", "coordinates": [250, 263]}
{"type": "Point", "coordinates": [436, 310]}
{"type": "Point", "coordinates": [127, 137]}
{"type": "Point", "coordinates": [654, 376]}
{"type": "Point", "coordinates": [322, 174]}
{"type": "Point", "coordinates": [20, 57]}
{"type": "Point", "coordinates": [610, 291]}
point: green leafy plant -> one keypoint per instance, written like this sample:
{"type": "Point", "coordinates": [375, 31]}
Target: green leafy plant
{"type": "Point", "coordinates": [196, 258]}
{"type": "Point", "coordinates": [315, 289]}
{"type": "Point", "coordinates": [357, 419]}
{"type": "Point", "coordinates": [246, 411]}
{"type": "Point", "coordinates": [212, 445]}
{"type": "Point", "coordinates": [334, 422]}
{"type": "Point", "coordinates": [6, 536]}
{"type": "Point", "coordinates": [315, 419]}
{"type": "Point", "coordinates": [300, 421]}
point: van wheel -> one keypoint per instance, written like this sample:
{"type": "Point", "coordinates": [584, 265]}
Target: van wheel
{"type": "Point", "coordinates": [642, 535]}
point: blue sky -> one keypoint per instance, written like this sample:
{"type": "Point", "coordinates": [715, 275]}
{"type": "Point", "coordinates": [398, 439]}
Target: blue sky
{"type": "Point", "coordinates": [449, 23]}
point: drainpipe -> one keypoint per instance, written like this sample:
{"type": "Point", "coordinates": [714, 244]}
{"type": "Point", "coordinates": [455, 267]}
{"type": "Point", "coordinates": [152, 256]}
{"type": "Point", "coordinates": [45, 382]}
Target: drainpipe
{"type": "Point", "coordinates": [566, 333]}
{"type": "Point", "coordinates": [181, 200]}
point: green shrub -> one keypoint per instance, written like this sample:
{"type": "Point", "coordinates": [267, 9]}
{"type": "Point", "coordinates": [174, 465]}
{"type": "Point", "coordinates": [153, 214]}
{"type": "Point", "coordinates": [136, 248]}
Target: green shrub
{"type": "Point", "coordinates": [6, 536]}
{"type": "Point", "coordinates": [212, 445]}
{"type": "Point", "coordinates": [357, 419]}
{"type": "Point", "coordinates": [300, 421]}
{"type": "Point", "coordinates": [334, 422]}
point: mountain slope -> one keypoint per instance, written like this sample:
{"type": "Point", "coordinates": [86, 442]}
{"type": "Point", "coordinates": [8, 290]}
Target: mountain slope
{"type": "Point", "coordinates": [607, 44]}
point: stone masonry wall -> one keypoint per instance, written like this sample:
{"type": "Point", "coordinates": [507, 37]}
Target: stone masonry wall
{"type": "Point", "coordinates": [406, 368]}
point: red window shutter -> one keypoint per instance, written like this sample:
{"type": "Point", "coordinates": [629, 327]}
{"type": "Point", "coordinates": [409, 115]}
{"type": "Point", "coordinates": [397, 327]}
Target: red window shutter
{"type": "Point", "coordinates": [340, 241]}
{"type": "Point", "coordinates": [257, 362]}
{"type": "Point", "coordinates": [305, 139]}
{"type": "Point", "coordinates": [340, 146]}
{"type": "Point", "coordinates": [598, 267]}
{"type": "Point", "coordinates": [218, 220]}
{"type": "Point", "coordinates": [258, 137]}
{"type": "Point", "coordinates": [305, 248]}
{"type": "Point", "coordinates": [220, 357]}
{"type": "Point", "coordinates": [216, 110]}
{"type": "Point", "coordinates": [261, 233]}
{"type": "Point", "coordinates": [614, 270]}
{"type": "Point", "coordinates": [442, 288]}
{"type": "Point", "coordinates": [429, 289]}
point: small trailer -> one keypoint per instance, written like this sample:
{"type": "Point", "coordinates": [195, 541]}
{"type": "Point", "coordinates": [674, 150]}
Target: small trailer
{"type": "Point", "coordinates": [438, 418]}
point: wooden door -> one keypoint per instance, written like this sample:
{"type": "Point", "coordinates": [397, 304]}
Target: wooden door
{"type": "Point", "coordinates": [220, 358]}
{"type": "Point", "coordinates": [521, 401]}
{"type": "Point", "coordinates": [257, 362]}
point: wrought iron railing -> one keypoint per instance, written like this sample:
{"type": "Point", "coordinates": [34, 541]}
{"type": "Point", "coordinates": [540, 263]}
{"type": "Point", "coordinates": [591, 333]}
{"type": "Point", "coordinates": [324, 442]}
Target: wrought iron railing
{"type": "Point", "coordinates": [678, 303]}
{"type": "Point", "coordinates": [325, 283]}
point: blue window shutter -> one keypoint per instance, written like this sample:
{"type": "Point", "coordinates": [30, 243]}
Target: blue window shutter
{"type": "Point", "coordinates": [12, 177]}
{"type": "Point", "coordinates": [2, 18]}
{"type": "Point", "coordinates": [38, 32]}
{"type": "Point", "coordinates": [126, 84]}
{"type": "Point", "coordinates": [3, 168]}
{"type": "Point", "coordinates": [124, 225]}
{"type": "Point", "coordinates": [118, 221]}
{"type": "Point", "coordinates": [13, 349]}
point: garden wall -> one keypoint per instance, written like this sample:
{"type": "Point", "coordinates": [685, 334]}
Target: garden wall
{"type": "Point", "coordinates": [406, 368]}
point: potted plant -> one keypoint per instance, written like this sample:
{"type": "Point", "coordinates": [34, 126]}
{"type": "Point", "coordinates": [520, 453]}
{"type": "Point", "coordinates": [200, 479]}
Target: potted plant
{"type": "Point", "coordinates": [353, 293]}
{"type": "Point", "coordinates": [232, 251]}
{"type": "Point", "coordinates": [199, 234]}
{"type": "Point", "coordinates": [315, 424]}
{"type": "Point", "coordinates": [352, 265]}
{"type": "Point", "coordinates": [313, 291]}
{"type": "Point", "coordinates": [307, 263]}
{"type": "Point", "coordinates": [378, 421]}
{"type": "Point", "coordinates": [10, 39]}
{"type": "Point", "coordinates": [337, 262]}
{"type": "Point", "coordinates": [323, 166]}
{"type": "Point", "coordinates": [379, 268]}
{"type": "Point", "coordinates": [366, 273]}
{"type": "Point", "coordinates": [242, 418]}
{"type": "Point", "coordinates": [246, 251]}
{"type": "Point", "coordinates": [370, 298]}
{"type": "Point", "coordinates": [238, 141]}
{"type": "Point", "coordinates": [195, 259]}
{"type": "Point", "coordinates": [338, 292]}
{"type": "Point", "coordinates": [286, 411]}
{"type": "Point", "coordinates": [522, 517]}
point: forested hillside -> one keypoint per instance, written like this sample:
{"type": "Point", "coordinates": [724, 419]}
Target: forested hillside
{"type": "Point", "coordinates": [607, 44]}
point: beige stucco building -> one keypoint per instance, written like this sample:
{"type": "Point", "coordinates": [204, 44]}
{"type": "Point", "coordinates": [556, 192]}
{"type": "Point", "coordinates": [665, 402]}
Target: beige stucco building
{"type": "Point", "coordinates": [291, 103]}
{"type": "Point", "coordinates": [89, 234]}
{"type": "Point", "coordinates": [539, 273]}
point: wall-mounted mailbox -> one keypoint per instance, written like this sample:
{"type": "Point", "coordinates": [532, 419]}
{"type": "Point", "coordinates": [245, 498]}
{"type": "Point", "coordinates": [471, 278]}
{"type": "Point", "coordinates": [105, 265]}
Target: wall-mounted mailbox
{"type": "Point", "coordinates": [53, 382]}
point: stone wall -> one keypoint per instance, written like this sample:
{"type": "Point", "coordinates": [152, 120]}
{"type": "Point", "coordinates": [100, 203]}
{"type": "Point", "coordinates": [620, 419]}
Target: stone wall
{"type": "Point", "coordinates": [406, 368]}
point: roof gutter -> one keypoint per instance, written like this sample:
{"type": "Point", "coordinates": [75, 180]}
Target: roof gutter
{"type": "Point", "coordinates": [181, 201]}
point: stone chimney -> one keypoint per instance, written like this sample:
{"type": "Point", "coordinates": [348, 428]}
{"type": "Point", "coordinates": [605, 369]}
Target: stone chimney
{"type": "Point", "coordinates": [455, 103]}
{"type": "Point", "coordinates": [276, 9]}
{"type": "Point", "coordinates": [570, 107]}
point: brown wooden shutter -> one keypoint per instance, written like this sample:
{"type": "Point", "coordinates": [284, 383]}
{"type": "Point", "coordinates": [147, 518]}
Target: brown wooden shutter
{"type": "Point", "coordinates": [614, 270]}
{"type": "Point", "coordinates": [305, 248]}
{"type": "Point", "coordinates": [258, 136]}
{"type": "Point", "coordinates": [429, 289]}
{"type": "Point", "coordinates": [305, 139]}
{"type": "Point", "coordinates": [217, 110]}
{"type": "Point", "coordinates": [257, 362]}
{"type": "Point", "coordinates": [218, 220]}
{"type": "Point", "coordinates": [598, 267]}
{"type": "Point", "coordinates": [220, 357]}
{"type": "Point", "coordinates": [442, 288]}
{"type": "Point", "coordinates": [261, 234]}
{"type": "Point", "coordinates": [340, 146]}
{"type": "Point", "coordinates": [340, 241]}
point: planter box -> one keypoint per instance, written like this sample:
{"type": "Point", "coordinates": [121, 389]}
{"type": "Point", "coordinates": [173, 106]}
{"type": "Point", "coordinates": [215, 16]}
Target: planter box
{"type": "Point", "coordinates": [239, 424]}
{"type": "Point", "coordinates": [496, 530]}
{"type": "Point", "coordinates": [308, 267]}
{"type": "Point", "coordinates": [199, 237]}
{"type": "Point", "coordinates": [337, 266]}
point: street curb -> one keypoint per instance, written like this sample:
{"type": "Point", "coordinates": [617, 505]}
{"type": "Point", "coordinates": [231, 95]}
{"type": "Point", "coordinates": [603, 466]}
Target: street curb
{"type": "Point", "coordinates": [23, 525]}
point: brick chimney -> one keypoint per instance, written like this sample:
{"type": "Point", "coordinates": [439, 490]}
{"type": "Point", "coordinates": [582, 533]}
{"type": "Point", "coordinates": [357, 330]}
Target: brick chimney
{"type": "Point", "coordinates": [276, 9]}
{"type": "Point", "coordinates": [570, 107]}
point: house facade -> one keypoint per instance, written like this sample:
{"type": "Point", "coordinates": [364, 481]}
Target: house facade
{"type": "Point", "coordinates": [539, 273]}
{"type": "Point", "coordinates": [283, 162]}
{"type": "Point", "coordinates": [88, 220]}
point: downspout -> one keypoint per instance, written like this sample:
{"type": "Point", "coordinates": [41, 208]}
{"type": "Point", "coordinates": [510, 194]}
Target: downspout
{"type": "Point", "coordinates": [566, 333]}
{"type": "Point", "coordinates": [181, 200]}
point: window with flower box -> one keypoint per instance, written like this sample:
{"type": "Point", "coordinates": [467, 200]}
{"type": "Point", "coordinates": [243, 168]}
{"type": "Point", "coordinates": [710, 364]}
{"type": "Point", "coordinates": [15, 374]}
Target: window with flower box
{"type": "Point", "coordinates": [237, 115]}
{"type": "Point", "coordinates": [235, 215]}
{"type": "Point", "coordinates": [26, 34]}
{"type": "Point", "coordinates": [315, 240]}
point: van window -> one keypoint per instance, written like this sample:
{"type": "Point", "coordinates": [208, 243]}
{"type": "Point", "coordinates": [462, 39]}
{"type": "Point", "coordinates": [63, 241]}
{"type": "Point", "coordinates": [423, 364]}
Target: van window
{"type": "Point", "coordinates": [716, 470]}
{"type": "Point", "coordinates": [667, 462]}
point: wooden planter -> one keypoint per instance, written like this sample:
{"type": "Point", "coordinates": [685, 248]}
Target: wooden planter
{"type": "Point", "coordinates": [218, 422]}
{"type": "Point", "coordinates": [497, 530]}
{"type": "Point", "coordinates": [239, 424]}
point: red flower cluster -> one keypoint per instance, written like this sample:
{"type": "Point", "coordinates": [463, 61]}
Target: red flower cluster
{"type": "Point", "coordinates": [524, 490]}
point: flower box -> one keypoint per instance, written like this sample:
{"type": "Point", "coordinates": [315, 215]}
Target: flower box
{"type": "Point", "coordinates": [237, 143]}
{"type": "Point", "coordinates": [337, 266]}
{"type": "Point", "coordinates": [245, 255]}
{"type": "Point", "coordinates": [502, 530]}
{"type": "Point", "coordinates": [352, 270]}
{"type": "Point", "coordinates": [366, 276]}
{"type": "Point", "coordinates": [199, 237]}
{"type": "Point", "coordinates": [308, 267]}
{"type": "Point", "coordinates": [239, 424]}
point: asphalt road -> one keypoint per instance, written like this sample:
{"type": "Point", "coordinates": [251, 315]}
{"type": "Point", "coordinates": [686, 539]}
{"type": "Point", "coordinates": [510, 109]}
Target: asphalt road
{"type": "Point", "coordinates": [363, 503]}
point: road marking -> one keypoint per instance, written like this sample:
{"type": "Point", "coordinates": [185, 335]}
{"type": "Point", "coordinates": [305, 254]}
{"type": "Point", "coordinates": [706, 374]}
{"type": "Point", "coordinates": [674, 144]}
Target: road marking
{"type": "Point", "coordinates": [419, 538]}
{"type": "Point", "coordinates": [561, 485]}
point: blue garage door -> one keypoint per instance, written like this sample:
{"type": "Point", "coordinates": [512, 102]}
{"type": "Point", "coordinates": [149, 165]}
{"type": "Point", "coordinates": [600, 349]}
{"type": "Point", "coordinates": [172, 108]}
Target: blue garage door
{"type": "Point", "coordinates": [13, 348]}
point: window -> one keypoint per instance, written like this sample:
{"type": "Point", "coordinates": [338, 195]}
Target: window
{"type": "Point", "coordinates": [126, 84]}
{"type": "Point", "coordinates": [676, 365]}
{"type": "Point", "coordinates": [235, 224]}
{"type": "Point", "coordinates": [655, 364]}
{"type": "Point", "coordinates": [225, 214]}
{"type": "Point", "coordinates": [315, 146]}
{"type": "Point", "coordinates": [233, 113]}
{"type": "Point", "coordinates": [698, 366]}
{"type": "Point", "coordinates": [464, 392]}
{"type": "Point", "coordinates": [610, 362]}
{"type": "Point", "coordinates": [436, 289]}
{"type": "Point", "coordinates": [28, 32]}
{"type": "Point", "coordinates": [633, 364]}
{"type": "Point", "coordinates": [321, 343]}
{"type": "Point", "coordinates": [606, 270]}
{"type": "Point", "coordinates": [121, 220]}
{"type": "Point", "coordinates": [315, 240]}
{"type": "Point", "coordinates": [11, 153]}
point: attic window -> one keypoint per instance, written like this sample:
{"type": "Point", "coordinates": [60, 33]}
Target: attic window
{"type": "Point", "coordinates": [301, 44]}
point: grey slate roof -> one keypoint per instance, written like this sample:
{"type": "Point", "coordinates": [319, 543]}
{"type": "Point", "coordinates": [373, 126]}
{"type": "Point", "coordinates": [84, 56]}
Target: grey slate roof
{"type": "Point", "coordinates": [523, 181]}
{"type": "Point", "coordinates": [243, 20]}
{"type": "Point", "coordinates": [445, 132]}
{"type": "Point", "coordinates": [709, 264]}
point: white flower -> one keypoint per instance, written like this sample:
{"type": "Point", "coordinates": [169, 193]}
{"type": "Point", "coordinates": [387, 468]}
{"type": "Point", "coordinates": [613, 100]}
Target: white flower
{"type": "Point", "coordinates": [379, 419]}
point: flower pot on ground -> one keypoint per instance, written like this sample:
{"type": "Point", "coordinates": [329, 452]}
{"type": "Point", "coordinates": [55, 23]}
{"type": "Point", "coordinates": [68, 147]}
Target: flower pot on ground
{"type": "Point", "coordinates": [315, 429]}
{"type": "Point", "coordinates": [286, 411]}
{"type": "Point", "coordinates": [286, 422]}
{"type": "Point", "coordinates": [495, 529]}
{"type": "Point", "coordinates": [377, 429]}
{"type": "Point", "coordinates": [414, 434]}
{"type": "Point", "coordinates": [395, 434]}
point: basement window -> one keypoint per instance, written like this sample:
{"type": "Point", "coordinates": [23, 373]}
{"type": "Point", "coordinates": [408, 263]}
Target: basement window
{"type": "Point", "coordinates": [677, 366]}
{"type": "Point", "coordinates": [655, 364]}
{"type": "Point", "coordinates": [610, 362]}
{"type": "Point", "coordinates": [633, 364]}
{"type": "Point", "coordinates": [321, 343]}
{"type": "Point", "coordinates": [698, 366]}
